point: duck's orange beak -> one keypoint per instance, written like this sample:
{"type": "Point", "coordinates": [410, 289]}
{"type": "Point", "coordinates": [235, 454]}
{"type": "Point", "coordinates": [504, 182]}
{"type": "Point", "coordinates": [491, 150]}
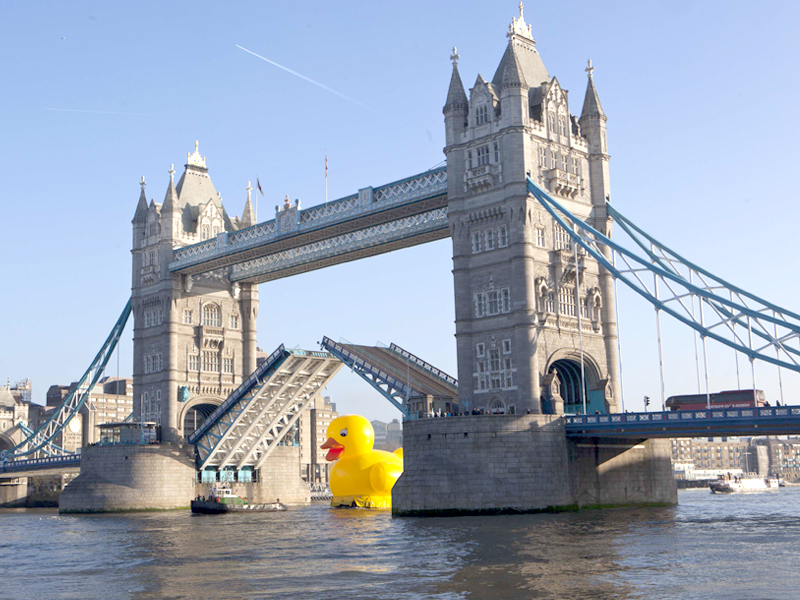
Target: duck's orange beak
{"type": "Point", "coordinates": [335, 451]}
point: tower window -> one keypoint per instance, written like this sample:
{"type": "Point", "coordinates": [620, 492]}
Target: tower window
{"type": "Point", "coordinates": [551, 121]}
{"type": "Point", "coordinates": [476, 242]}
{"type": "Point", "coordinates": [187, 316]}
{"type": "Point", "coordinates": [502, 236]}
{"type": "Point", "coordinates": [540, 237]}
{"type": "Point", "coordinates": [576, 165]}
{"type": "Point", "coordinates": [469, 159]}
{"type": "Point", "coordinates": [564, 163]}
{"type": "Point", "coordinates": [210, 361]}
{"type": "Point", "coordinates": [505, 300]}
{"type": "Point", "coordinates": [194, 362]}
{"type": "Point", "coordinates": [506, 346]}
{"type": "Point", "coordinates": [542, 157]}
{"type": "Point", "coordinates": [496, 152]}
{"type": "Point", "coordinates": [481, 115]}
{"type": "Point", "coordinates": [553, 164]}
{"type": "Point", "coordinates": [480, 349]}
{"type": "Point", "coordinates": [490, 239]}
{"type": "Point", "coordinates": [480, 304]}
{"type": "Point", "coordinates": [211, 315]}
{"type": "Point", "coordinates": [494, 306]}
{"type": "Point", "coordinates": [562, 125]}
{"type": "Point", "coordinates": [483, 155]}
{"type": "Point", "coordinates": [227, 365]}
{"type": "Point", "coordinates": [234, 321]}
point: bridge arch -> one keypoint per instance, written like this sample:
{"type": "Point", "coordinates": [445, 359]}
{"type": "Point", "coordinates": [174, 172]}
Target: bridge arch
{"type": "Point", "coordinates": [563, 382]}
{"type": "Point", "coordinates": [196, 411]}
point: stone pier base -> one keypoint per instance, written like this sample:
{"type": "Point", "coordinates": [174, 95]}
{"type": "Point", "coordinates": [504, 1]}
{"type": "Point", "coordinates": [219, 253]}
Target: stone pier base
{"type": "Point", "coordinates": [493, 464]}
{"type": "Point", "coordinates": [13, 492]}
{"type": "Point", "coordinates": [128, 477]}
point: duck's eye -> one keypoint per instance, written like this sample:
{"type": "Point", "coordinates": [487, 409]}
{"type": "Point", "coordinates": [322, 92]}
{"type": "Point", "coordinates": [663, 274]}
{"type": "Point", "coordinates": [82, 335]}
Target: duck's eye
{"type": "Point", "coordinates": [343, 433]}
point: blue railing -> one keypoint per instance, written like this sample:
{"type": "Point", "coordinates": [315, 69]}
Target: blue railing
{"type": "Point", "coordinates": [716, 421]}
{"type": "Point", "coordinates": [40, 463]}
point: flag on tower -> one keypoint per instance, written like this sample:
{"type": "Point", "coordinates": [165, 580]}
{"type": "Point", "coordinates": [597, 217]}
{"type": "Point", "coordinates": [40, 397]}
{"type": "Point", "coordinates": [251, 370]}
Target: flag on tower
{"type": "Point", "coordinates": [258, 183]}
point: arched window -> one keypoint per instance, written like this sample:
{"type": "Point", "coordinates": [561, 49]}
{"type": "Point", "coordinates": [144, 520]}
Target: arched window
{"type": "Point", "coordinates": [211, 315]}
{"type": "Point", "coordinates": [215, 231]}
{"type": "Point", "coordinates": [206, 232]}
{"type": "Point", "coordinates": [481, 115]}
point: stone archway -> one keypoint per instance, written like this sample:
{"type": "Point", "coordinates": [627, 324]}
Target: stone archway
{"type": "Point", "coordinates": [196, 411]}
{"type": "Point", "coordinates": [564, 375]}
{"type": "Point", "coordinates": [496, 404]}
{"type": "Point", "coordinates": [6, 443]}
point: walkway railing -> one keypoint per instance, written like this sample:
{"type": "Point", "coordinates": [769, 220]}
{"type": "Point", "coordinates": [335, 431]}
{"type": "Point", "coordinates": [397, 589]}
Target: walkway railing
{"type": "Point", "coordinates": [49, 462]}
{"type": "Point", "coordinates": [713, 422]}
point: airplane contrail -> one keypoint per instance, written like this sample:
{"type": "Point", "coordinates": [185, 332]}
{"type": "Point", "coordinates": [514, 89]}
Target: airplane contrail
{"type": "Point", "coordinates": [308, 79]}
{"type": "Point", "coordinates": [105, 112]}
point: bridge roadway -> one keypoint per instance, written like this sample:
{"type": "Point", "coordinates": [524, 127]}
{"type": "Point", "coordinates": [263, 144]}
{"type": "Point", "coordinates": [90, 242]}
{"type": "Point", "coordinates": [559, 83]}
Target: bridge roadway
{"type": "Point", "coordinates": [780, 420]}
{"type": "Point", "coordinates": [51, 465]}
{"type": "Point", "coordinates": [398, 215]}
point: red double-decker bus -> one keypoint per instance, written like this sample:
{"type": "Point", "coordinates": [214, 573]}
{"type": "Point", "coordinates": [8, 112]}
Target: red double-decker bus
{"type": "Point", "coordinates": [726, 399]}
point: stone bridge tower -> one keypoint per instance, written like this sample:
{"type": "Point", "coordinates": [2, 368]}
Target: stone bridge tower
{"type": "Point", "coordinates": [514, 267]}
{"type": "Point", "coordinates": [194, 338]}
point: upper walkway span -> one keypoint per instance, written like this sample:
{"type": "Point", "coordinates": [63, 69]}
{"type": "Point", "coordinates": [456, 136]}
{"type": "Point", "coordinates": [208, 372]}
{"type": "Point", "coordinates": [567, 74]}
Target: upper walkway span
{"type": "Point", "coordinates": [375, 220]}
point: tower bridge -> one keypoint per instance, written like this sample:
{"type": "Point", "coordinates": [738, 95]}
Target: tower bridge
{"type": "Point", "coordinates": [524, 198]}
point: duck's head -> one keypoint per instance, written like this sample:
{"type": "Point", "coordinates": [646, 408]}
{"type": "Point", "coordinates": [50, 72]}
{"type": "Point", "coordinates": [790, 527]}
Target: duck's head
{"type": "Point", "coordinates": [351, 433]}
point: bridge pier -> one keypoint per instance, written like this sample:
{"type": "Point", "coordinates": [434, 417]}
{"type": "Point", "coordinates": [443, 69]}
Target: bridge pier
{"type": "Point", "coordinates": [13, 492]}
{"type": "Point", "coordinates": [492, 464]}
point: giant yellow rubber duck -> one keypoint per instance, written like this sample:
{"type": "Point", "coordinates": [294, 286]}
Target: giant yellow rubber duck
{"type": "Point", "coordinates": [361, 476]}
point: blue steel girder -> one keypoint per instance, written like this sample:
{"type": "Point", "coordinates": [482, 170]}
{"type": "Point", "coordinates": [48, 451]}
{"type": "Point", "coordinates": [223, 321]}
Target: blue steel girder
{"type": "Point", "coordinates": [667, 281]}
{"type": "Point", "coordinates": [782, 420]}
{"type": "Point", "coordinates": [296, 235]}
{"type": "Point", "coordinates": [389, 387]}
{"type": "Point", "coordinates": [40, 443]}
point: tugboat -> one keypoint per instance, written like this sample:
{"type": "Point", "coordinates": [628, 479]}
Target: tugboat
{"type": "Point", "coordinates": [223, 500]}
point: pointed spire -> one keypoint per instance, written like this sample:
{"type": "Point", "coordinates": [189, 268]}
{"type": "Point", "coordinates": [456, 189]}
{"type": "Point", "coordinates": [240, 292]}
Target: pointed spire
{"type": "Point", "coordinates": [248, 214]}
{"type": "Point", "coordinates": [520, 27]}
{"type": "Point", "coordinates": [591, 103]}
{"type": "Point", "coordinates": [456, 97]}
{"type": "Point", "coordinates": [512, 74]}
{"type": "Point", "coordinates": [171, 198]}
{"type": "Point", "coordinates": [141, 208]}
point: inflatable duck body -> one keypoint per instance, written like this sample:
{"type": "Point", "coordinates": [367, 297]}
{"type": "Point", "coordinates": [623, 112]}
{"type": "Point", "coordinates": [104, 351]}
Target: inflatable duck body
{"type": "Point", "coordinates": [361, 476]}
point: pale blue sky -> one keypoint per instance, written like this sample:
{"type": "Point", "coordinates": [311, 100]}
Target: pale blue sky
{"type": "Point", "coordinates": [701, 99]}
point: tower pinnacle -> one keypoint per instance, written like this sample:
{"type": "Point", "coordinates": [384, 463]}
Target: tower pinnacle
{"type": "Point", "coordinates": [143, 183]}
{"type": "Point", "coordinates": [195, 159]}
{"type": "Point", "coordinates": [520, 27]}
{"type": "Point", "coordinates": [172, 174]}
{"type": "Point", "coordinates": [589, 69]}
{"type": "Point", "coordinates": [455, 56]}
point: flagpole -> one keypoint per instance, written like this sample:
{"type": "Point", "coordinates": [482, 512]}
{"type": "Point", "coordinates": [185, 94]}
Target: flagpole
{"type": "Point", "coordinates": [326, 176]}
{"type": "Point", "coordinates": [259, 185]}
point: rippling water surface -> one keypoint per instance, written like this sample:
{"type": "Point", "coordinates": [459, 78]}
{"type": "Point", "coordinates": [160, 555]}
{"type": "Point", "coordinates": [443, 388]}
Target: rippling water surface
{"type": "Point", "coordinates": [709, 547]}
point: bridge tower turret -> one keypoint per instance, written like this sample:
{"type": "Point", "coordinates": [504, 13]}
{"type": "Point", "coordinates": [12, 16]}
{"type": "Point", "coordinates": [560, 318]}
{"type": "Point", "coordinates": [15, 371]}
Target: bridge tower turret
{"type": "Point", "coordinates": [194, 338]}
{"type": "Point", "coordinates": [514, 269]}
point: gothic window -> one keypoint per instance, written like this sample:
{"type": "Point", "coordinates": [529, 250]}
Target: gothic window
{"type": "Point", "coordinates": [187, 316]}
{"type": "Point", "coordinates": [481, 115]}
{"type": "Point", "coordinates": [206, 233]}
{"type": "Point", "coordinates": [483, 155]}
{"type": "Point", "coordinates": [540, 236]}
{"type": "Point", "coordinates": [480, 349]}
{"type": "Point", "coordinates": [147, 319]}
{"type": "Point", "coordinates": [481, 375]}
{"type": "Point", "coordinates": [553, 164]}
{"type": "Point", "coordinates": [489, 237]}
{"type": "Point", "coordinates": [476, 242]}
{"type": "Point", "coordinates": [215, 231]}
{"type": "Point", "coordinates": [494, 368]}
{"type": "Point", "coordinates": [234, 321]}
{"type": "Point", "coordinates": [211, 361]}
{"type": "Point", "coordinates": [493, 305]}
{"type": "Point", "coordinates": [496, 152]}
{"type": "Point", "coordinates": [509, 382]}
{"type": "Point", "coordinates": [564, 162]}
{"type": "Point", "coordinates": [566, 300]}
{"type": "Point", "coordinates": [480, 304]}
{"type": "Point", "coordinates": [502, 236]}
{"type": "Point", "coordinates": [505, 300]}
{"type": "Point", "coordinates": [551, 121]}
{"type": "Point", "coordinates": [542, 157]}
{"type": "Point", "coordinates": [227, 365]}
{"type": "Point", "coordinates": [506, 346]}
{"type": "Point", "coordinates": [562, 125]}
{"type": "Point", "coordinates": [194, 362]}
{"type": "Point", "coordinates": [562, 240]}
{"type": "Point", "coordinates": [211, 315]}
{"type": "Point", "coordinates": [576, 165]}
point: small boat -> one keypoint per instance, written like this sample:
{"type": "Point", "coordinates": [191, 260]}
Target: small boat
{"type": "Point", "coordinates": [223, 500]}
{"type": "Point", "coordinates": [743, 484]}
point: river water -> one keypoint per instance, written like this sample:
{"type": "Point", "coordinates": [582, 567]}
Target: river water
{"type": "Point", "coordinates": [709, 546]}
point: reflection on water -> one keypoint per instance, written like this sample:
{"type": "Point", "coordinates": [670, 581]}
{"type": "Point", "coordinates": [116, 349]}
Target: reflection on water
{"type": "Point", "coordinates": [710, 546]}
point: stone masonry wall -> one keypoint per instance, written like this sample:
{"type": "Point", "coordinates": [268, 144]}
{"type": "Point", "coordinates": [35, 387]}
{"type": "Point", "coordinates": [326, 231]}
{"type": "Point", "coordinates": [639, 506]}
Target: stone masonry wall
{"type": "Point", "coordinates": [523, 463]}
{"type": "Point", "coordinates": [118, 478]}
{"type": "Point", "coordinates": [622, 472]}
{"type": "Point", "coordinates": [485, 463]}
